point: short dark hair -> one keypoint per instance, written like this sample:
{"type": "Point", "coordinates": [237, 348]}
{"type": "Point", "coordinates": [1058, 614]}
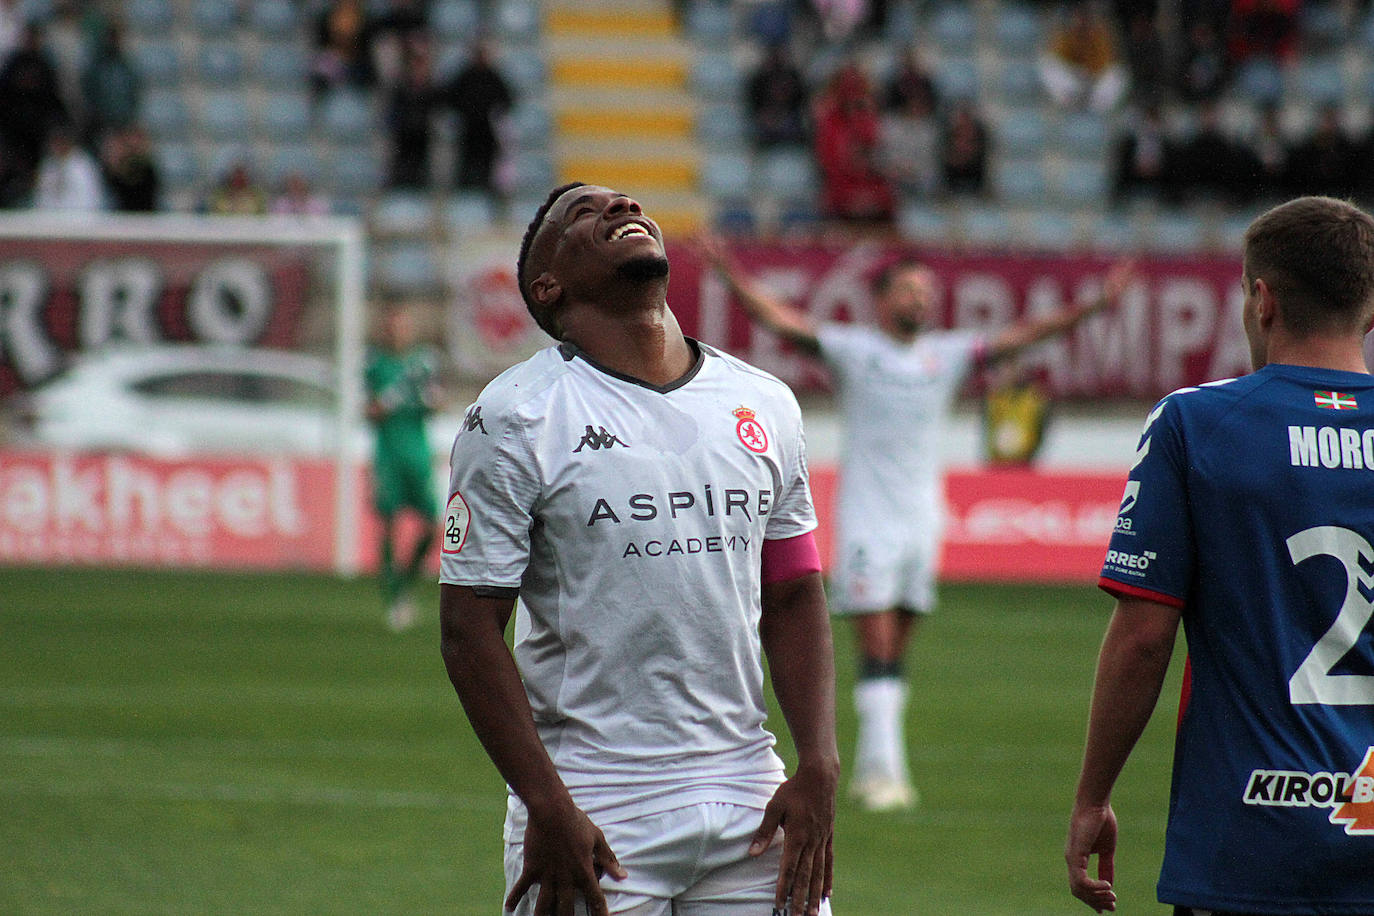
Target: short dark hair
{"type": "Point", "coordinates": [541, 316]}
{"type": "Point", "coordinates": [1317, 255]}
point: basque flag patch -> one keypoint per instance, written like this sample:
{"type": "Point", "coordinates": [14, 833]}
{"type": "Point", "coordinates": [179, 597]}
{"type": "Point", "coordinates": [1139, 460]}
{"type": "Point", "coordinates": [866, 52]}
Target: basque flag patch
{"type": "Point", "coordinates": [1334, 400]}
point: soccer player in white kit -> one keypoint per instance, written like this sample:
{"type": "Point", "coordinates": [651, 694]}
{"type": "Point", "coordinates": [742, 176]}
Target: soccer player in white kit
{"type": "Point", "coordinates": [646, 498]}
{"type": "Point", "coordinates": [896, 383]}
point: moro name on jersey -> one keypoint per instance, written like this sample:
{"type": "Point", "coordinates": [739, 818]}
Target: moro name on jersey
{"type": "Point", "coordinates": [1330, 447]}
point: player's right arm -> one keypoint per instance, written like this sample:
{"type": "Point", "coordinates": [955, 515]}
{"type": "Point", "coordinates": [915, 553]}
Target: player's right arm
{"type": "Point", "coordinates": [565, 853]}
{"type": "Point", "coordinates": [1130, 672]}
{"type": "Point", "coordinates": [759, 303]}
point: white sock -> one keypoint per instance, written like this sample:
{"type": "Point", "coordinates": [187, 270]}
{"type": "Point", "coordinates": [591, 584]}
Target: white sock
{"type": "Point", "coordinates": [881, 750]}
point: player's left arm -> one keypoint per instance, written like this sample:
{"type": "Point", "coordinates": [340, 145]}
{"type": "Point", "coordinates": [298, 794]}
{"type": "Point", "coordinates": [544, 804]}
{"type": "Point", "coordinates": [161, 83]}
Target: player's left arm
{"type": "Point", "coordinates": [1131, 667]}
{"type": "Point", "coordinates": [795, 630]}
{"type": "Point", "coordinates": [1012, 340]}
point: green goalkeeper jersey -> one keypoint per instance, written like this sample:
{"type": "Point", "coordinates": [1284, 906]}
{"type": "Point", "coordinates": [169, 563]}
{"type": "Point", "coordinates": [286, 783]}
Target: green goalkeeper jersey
{"type": "Point", "coordinates": [401, 383]}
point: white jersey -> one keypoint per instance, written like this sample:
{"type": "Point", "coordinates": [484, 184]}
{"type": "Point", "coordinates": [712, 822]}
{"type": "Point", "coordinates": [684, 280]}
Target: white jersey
{"type": "Point", "coordinates": [895, 398]}
{"type": "Point", "coordinates": [631, 518]}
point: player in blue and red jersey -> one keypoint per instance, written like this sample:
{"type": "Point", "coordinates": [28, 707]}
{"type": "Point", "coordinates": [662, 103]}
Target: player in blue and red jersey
{"type": "Point", "coordinates": [1249, 515]}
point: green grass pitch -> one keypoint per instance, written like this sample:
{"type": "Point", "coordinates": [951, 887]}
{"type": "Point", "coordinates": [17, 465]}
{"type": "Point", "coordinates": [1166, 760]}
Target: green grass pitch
{"type": "Point", "coordinates": [175, 743]}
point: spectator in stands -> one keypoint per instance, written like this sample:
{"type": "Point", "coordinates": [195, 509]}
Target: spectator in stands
{"type": "Point", "coordinates": [130, 171]}
{"type": "Point", "coordinates": [479, 95]}
{"type": "Point", "coordinates": [1080, 67]}
{"type": "Point", "coordinates": [1147, 59]}
{"type": "Point", "coordinates": [964, 151]}
{"type": "Point", "coordinates": [68, 177]}
{"type": "Point", "coordinates": [30, 100]}
{"type": "Point", "coordinates": [401, 25]}
{"type": "Point", "coordinates": [1203, 67]}
{"type": "Point", "coordinates": [777, 101]}
{"type": "Point", "coordinates": [911, 78]}
{"type": "Point", "coordinates": [853, 185]}
{"type": "Point", "coordinates": [110, 86]}
{"type": "Point", "coordinates": [911, 145]}
{"type": "Point", "coordinates": [343, 47]}
{"type": "Point", "coordinates": [1324, 161]}
{"type": "Point", "coordinates": [238, 193]}
{"type": "Point", "coordinates": [1145, 159]}
{"type": "Point", "coordinates": [1210, 163]}
{"type": "Point", "coordinates": [299, 198]}
{"type": "Point", "coordinates": [410, 110]}
{"type": "Point", "coordinates": [1269, 157]}
{"type": "Point", "coordinates": [11, 26]}
{"type": "Point", "coordinates": [1263, 28]}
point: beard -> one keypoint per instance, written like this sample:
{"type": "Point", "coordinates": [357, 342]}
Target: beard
{"type": "Point", "coordinates": [644, 269]}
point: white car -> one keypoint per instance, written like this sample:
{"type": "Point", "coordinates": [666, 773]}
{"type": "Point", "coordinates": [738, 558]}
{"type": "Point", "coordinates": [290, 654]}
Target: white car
{"type": "Point", "coordinates": [178, 400]}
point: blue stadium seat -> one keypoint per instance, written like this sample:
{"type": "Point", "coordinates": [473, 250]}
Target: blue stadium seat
{"type": "Point", "coordinates": [1020, 181]}
{"type": "Point", "coordinates": [531, 125]}
{"type": "Point", "coordinates": [533, 170]}
{"type": "Point", "coordinates": [1017, 30]}
{"type": "Point", "coordinates": [1115, 231]}
{"type": "Point", "coordinates": [1259, 80]}
{"type": "Point", "coordinates": [344, 115]}
{"type": "Point", "coordinates": [953, 27]}
{"type": "Point", "coordinates": [157, 61]}
{"type": "Point", "coordinates": [469, 211]}
{"type": "Point", "coordinates": [1323, 24]}
{"type": "Point", "coordinates": [177, 164]}
{"type": "Point", "coordinates": [786, 172]}
{"type": "Point", "coordinates": [1320, 79]}
{"type": "Point", "coordinates": [735, 216]}
{"type": "Point", "coordinates": [1051, 230]}
{"type": "Point", "coordinates": [293, 158]}
{"type": "Point", "coordinates": [1022, 132]}
{"type": "Point", "coordinates": [407, 268]}
{"type": "Point", "coordinates": [1019, 81]}
{"type": "Point", "coordinates": [987, 226]}
{"type": "Point", "coordinates": [714, 77]}
{"type": "Point", "coordinates": [283, 65]}
{"type": "Point", "coordinates": [403, 213]}
{"type": "Point", "coordinates": [273, 18]}
{"type": "Point", "coordinates": [354, 172]}
{"type": "Point", "coordinates": [923, 222]}
{"type": "Point", "coordinates": [149, 17]}
{"type": "Point", "coordinates": [215, 18]}
{"type": "Point", "coordinates": [286, 115]}
{"type": "Point", "coordinates": [798, 215]}
{"type": "Point", "coordinates": [1231, 232]}
{"type": "Point", "coordinates": [527, 73]}
{"type": "Point", "coordinates": [902, 27]}
{"type": "Point", "coordinates": [519, 21]}
{"type": "Point", "coordinates": [224, 116]}
{"type": "Point", "coordinates": [1177, 232]}
{"type": "Point", "coordinates": [727, 174]}
{"type": "Point", "coordinates": [710, 23]}
{"type": "Point", "coordinates": [455, 20]}
{"type": "Point", "coordinates": [1082, 133]}
{"type": "Point", "coordinates": [164, 113]}
{"type": "Point", "coordinates": [770, 23]}
{"type": "Point", "coordinates": [958, 78]}
{"type": "Point", "coordinates": [219, 63]}
{"type": "Point", "coordinates": [1082, 182]}
{"type": "Point", "coordinates": [722, 124]}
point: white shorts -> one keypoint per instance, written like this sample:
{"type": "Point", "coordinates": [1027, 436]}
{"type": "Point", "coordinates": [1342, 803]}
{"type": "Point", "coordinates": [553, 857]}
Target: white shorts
{"type": "Point", "coordinates": [877, 568]}
{"type": "Point", "coordinates": [690, 861]}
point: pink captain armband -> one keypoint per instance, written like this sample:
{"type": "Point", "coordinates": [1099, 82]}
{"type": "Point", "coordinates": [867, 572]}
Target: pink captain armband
{"type": "Point", "coordinates": [788, 558]}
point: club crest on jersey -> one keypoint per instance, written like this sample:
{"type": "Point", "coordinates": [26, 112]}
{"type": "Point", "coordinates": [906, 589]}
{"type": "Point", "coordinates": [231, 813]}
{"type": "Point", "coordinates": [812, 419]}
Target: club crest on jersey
{"type": "Point", "coordinates": [750, 431]}
{"type": "Point", "coordinates": [457, 518]}
{"type": "Point", "coordinates": [1350, 796]}
{"type": "Point", "coordinates": [1334, 400]}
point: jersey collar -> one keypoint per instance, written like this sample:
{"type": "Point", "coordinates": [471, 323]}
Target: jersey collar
{"type": "Point", "coordinates": [568, 350]}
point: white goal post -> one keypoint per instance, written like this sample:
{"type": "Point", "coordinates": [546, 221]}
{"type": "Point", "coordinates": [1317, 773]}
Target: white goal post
{"type": "Point", "coordinates": [338, 249]}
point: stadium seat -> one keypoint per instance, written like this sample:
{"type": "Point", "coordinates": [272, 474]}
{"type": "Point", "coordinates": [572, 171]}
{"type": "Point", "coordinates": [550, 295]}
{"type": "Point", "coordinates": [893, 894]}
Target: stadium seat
{"type": "Point", "coordinates": [455, 20]}
{"type": "Point", "coordinates": [40, 12]}
{"type": "Point", "coordinates": [727, 174]}
{"type": "Point", "coordinates": [1082, 182]}
{"type": "Point", "coordinates": [149, 17]}
{"type": "Point", "coordinates": [215, 18]}
{"type": "Point", "coordinates": [1022, 132]}
{"type": "Point", "coordinates": [1051, 230]}
{"type": "Point", "coordinates": [1019, 81]}
{"type": "Point", "coordinates": [987, 226]}
{"type": "Point", "coordinates": [354, 172]}
{"type": "Point", "coordinates": [402, 213]}
{"type": "Point", "coordinates": [953, 27]}
{"type": "Point", "coordinates": [922, 222]}
{"type": "Point", "coordinates": [714, 77]}
{"type": "Point", "coordinates": [902, 27]}
{"type": "Point", "coordinates": [468, 211]}
{"type": "Point", "coordinates": [283, 65]}
{"type": "Point", "coordinates": [1017, 30]}
{"type": "Point", "coordinates": [273, 18]}
{"type": "Point", "coordinates": [735, 216]}
{"type": "Point", "coordinates": [711, 24]}
{"type": "Point", "coordinates": [286, 115]}
{"type": "Point", "coordinates": [407, 268]}
{"type": "Point", "coordinates": [1320, 79]}
{"type": "Point", "coordinates": [1020, 181]}
{"type": "Point", "coordinates": [164, 114]}
{"type": "Point", "coordinates": [798, 215]}
{"type": "Point", "coordinates": [1177, 232]}
{"type": "Point", "coordinates": [1116, 232]}
{"type": "Point", "coordinates": [518, 21]}
{"type": "Point", "coordinates": [157, 61]}
{"type": "Point", "coordinates": [224, 116]}
{"type": "Point", "coordinates": [219, 64]}
{"type": "Point", "coordinates": [957, 78]}
{"type": "Point", "coordinates": [293, 158]}
{"type": "Point", "coordinates": [770, 23]}
{"type": "Point", "coordinates": [177, 164]}
{"type": "Point", "coordinates": [722, 124]}
{"type": "Point", "coordinates": [344, 115]}
{"type": "Point", "coordinates": [1231, 232]}
{"type": "Point", "coordinates": [534, 170]}
{"type": "Point", "coordinates": [531, 126]}
{"type": "Point", "coordinates": [1323, 24]}
{"type": "Point", "coordinates": [1259, 79]}
{"type": "Point", "coordinates": [1082, 133]}
{"type": "Point", "coordinates": [786, 172]}
{"type": "Point", "coordinates": [527, 73]}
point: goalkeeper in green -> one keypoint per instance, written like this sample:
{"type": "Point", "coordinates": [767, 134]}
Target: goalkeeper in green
{"type": "Point", "coordinates": [401, 393]}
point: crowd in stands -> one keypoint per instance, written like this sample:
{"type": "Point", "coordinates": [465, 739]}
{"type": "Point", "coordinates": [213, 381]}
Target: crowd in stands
{"type": "Point", "coordinates": [74, 141]}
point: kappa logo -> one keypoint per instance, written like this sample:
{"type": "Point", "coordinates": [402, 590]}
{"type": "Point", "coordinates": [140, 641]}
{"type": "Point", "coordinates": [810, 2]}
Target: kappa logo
{"type": "Point", "coordinates": [473, 420]}
{"type": "Point", "coordinates": [597, 438]}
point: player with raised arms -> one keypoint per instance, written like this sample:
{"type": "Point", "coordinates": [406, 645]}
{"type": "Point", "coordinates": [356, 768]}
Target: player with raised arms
{"type": "Point", "coordinates": [645, 497]}
{"type": "Point", "coordinates": [1249, 516]}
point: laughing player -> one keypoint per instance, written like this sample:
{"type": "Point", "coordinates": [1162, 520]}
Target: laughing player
{"type": "Point", "coordinates": [645, 497]}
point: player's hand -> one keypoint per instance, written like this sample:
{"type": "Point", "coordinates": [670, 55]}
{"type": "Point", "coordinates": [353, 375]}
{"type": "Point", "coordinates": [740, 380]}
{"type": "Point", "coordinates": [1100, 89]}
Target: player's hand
{"type": "Point", "coordinates": [1119, 276]}
{"type": "Point", "coordinates": [1092, 831]}
{"type": "Point", "coordinates": [804, 807]}
{"type": "Point", "coordinates": [566, 855]}
{"type": "Point", "coordinates": [711, 249]}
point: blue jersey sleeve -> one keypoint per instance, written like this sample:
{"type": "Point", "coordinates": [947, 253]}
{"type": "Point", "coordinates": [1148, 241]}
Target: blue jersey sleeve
{"type": "Point", "coordinates": [1151, 551]}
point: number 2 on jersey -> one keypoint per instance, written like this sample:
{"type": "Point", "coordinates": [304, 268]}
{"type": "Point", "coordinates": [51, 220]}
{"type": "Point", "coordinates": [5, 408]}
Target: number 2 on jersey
{"type": "Point", "coordinates": [1313, 682]}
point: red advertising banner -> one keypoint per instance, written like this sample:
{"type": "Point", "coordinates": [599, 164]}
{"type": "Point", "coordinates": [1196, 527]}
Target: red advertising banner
{"type": "Point", "coordinates": [125, 509]}
{"type": "Point", "coordinates": [62, 296]}
{"type": "Point", "coordinates": [1012, 525]}
{"type": "Point", "coordinates": [1178, 324]}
